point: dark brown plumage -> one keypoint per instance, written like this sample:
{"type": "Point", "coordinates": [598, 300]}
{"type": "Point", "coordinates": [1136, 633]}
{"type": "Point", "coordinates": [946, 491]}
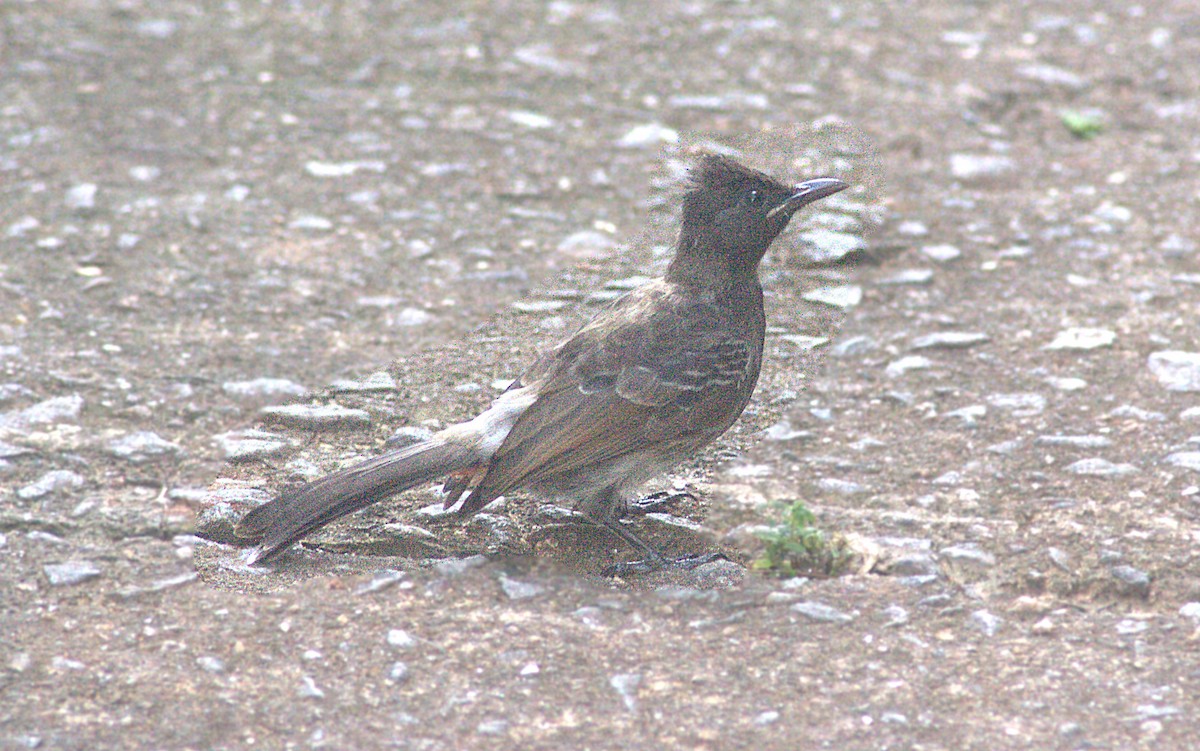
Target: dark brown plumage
{"type": "Point", "coordinates": [653, 378]}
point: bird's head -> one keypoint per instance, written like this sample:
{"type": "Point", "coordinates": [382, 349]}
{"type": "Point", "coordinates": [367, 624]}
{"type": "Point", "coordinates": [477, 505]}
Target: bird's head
{"type": "Point", "coordinates": [732, 214]}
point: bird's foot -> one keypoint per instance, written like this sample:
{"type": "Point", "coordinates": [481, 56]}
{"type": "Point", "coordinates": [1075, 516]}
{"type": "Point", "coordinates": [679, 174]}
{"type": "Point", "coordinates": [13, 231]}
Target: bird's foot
{"type": "Point", "coordinates": [655, 503]}
{"type": "Point", "coordinates": [650, 565]}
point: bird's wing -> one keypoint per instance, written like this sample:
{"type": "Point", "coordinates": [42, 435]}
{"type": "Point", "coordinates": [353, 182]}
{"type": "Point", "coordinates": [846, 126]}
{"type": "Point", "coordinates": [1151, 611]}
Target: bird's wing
{"type": "Point", "coordinates": [652, 370]}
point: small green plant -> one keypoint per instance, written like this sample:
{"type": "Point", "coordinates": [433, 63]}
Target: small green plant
{"type": "Point", "coordinates": [796, 547]}
{"type": "Point", "coordinates": [1082, 124]}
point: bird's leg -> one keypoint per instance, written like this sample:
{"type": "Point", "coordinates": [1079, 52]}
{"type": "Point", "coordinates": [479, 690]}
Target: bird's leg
{"type": "Point", "coordinates": [653, 560]}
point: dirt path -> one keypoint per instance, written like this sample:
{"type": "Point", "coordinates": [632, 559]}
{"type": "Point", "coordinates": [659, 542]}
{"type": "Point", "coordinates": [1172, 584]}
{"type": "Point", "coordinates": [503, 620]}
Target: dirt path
{"type": "Point", "coordinates": [200, 196]}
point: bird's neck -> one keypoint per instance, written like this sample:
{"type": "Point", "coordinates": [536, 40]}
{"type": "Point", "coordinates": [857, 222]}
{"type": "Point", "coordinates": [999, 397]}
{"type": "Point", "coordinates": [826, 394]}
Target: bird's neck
{"type": "Point", "coordinates": [712, 268]}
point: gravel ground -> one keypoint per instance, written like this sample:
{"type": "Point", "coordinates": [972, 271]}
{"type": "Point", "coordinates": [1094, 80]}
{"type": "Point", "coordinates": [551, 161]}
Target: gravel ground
{"type": "Point", "coordinates": [241, 244]}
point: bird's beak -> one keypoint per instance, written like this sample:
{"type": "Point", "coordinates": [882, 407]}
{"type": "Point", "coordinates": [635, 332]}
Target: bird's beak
{"type": "Point", "coordinates": [807, 192]}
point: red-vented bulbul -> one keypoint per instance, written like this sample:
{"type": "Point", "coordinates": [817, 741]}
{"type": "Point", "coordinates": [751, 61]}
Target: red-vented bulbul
{"type": "Point", "coordinates": [657, 375]}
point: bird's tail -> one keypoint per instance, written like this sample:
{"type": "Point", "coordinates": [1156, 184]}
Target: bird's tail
{"type": "Point", "coordinates": [277, 524]}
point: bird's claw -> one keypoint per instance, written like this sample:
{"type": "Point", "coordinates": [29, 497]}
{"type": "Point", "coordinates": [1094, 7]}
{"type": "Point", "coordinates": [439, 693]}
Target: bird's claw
{"type": "Point", "coordinates": [683, 563]}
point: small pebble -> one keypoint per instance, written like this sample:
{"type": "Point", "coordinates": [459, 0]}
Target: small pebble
{"type": "Point", "coordinates": [626, 685]}
{"type": "Point", "coordinates": [316, 416]}
{"type": "Point", "coordinates": [54, 481]}
{"type": "Point", "coordinates": [1176, 371]}
{"type": "Point", "coordinates": [70, 572]}
{"type": "Point", "coordinates": [650, 134]}
{"type": "Point", "coordinates": [516, 589]}
{"type": "Point", "coordinates": [820, 612]}
{"type": "Point", "coordinates": [979, 166]}
{"type": "Point", "coordinates": [143, 446]}
{"type": "Point", "coordinates": [1134, 581]}
{"type": "Point", "coordinates": [841, 296]}
{"type": "Point", "coordinates": [81, 197]}
{"type": "Point", "coordinates": [827, 247]}
{"type": "Point", "coordinates": [986, 622]}
{"type": "Point", "coordinates": [263, 387]}
{"type": "Point", "coordinates": [400, 638]}
{"type": "Point", "coordinates": [1097, 467]}
{"type": "Point", "coordinates": [1082, 339]}
{"type": "Point", "coordinates": [905, 364]}
{"type": "Point", "coordinates": [950, 340]}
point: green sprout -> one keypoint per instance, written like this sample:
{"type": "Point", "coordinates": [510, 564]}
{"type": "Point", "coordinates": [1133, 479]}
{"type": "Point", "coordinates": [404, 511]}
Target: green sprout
{"type": "Point", "coordinates": [796, 547]}
{"type": "Point", "coordinates": [1082, 124]}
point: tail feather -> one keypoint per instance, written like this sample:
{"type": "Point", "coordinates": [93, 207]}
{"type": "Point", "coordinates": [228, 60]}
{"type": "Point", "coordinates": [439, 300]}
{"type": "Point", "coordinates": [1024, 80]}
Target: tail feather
{"type": "Point", "coordinates": [282, 521]}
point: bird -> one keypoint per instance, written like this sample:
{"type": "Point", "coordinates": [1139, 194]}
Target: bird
{"type": "Point", "coordinates": [655, 376]}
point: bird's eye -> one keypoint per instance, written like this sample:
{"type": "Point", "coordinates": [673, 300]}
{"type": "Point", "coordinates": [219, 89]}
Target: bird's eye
{"type": "Point", "coordinates": [753, 197]}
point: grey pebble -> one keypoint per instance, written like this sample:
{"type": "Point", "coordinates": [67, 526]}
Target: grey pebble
{"type": "Point", "coordinates": [1051, 75]}
{"type": "Point", "coordinates": [539, 306]}
{"type": "Point", "coordinates": [516, 589]}
{"type": "Point", "coordinates": [950, 340]}
{"type": "Point", "coordinates": [1059, 558]}
{"type": "Point", "coordinates": [316, 416]}
{"type": "Point", "coordinates": [160, 585]}
{"type": "Point", "coordinates": [626, 686]}
{"type": "Point", "coordinates": [852, 346]}
{"type": "Point", "coordinates": [81, 197]}
{"type": "Point", "coordinates": [381, 580]}
{"type": "Point", "coordinates": [979, 166]}
{"type": "Point", "coordinates": [398, 672]}
{"type": "Point", "coordinates": [905, 364]}
{"type": "Point", "coordinates": [156, 28]}
{"type": "Point", "coordinates": [409, 317]}
{"type": "Point", "coordinates": [409, 436]}
{"type": "Point", "coordinates": [211, 664]}
{"type": "Point", "coordinates": [58, 409]}
{"type": "Point", "coordinates": [1082, 339]}
{"type": "Point", "coordinates": [986, 622]}
{"type": "Point", "coordinates": [1005, 448]}
{"type": "Point", "coordinates": [913, 564]}
{"type": "Point", "coordinates": [248, 445]}
{"type": "Point", "coordinates": [401, 639]}
{"type": "Point", "coordinates": [896, 615]}
{"type": "Point", "coordinates": [719, 574]}
{"type": "Point", "coordinates": [821, 612]}
{"type": "Point", "coordinates": [586, 244]}
{"type": "Point", "coordinates": [1137, 413]}
{"type": "Point", "coordinates": [649, 134]}
{"type": "Point", "coordinates": [734, 100]}
{"type": "Point", "coordinates": [783, 431]}
{"type": "Point", "coordinates": [143, 446]}
{"type": "Point", "coordinates": [1074, 441]}
{"type": "Point", "coordinates": [908, 276]}
{"type": "Point", "coordinates": [451, 567]}
{"type": "Point", "coordinates": [1020, 405]}
{"type": "Point", "coordinates": [1097, 467]}
{"type": "Point", "coordinates": [969, 415]}
{"type": "Point", "coordinates": [1176, 371]}
{"type": "Point", "coordinates": [309, 689]}
{"type": "Point", "coordinates": [311, 222]}
{"type": "Point", "coordinates": [54, 481]}
{"type": "Point", "coordinates": [770, 717]}
{"type": "Point", "coordinates": [968, 554]}
{"type": "Point", "coordinates": [841, 487]}
{"type": "Point", "coordinates": [260, 388]}
{"type": "Point", "coordinates": [492, 727]}
{"type": "Point", "coordinates": [1191, 610]}
{"type": "Point", "coordinates": [70, 572]}
{"type": "Point", "coordinates": [839, 296]}
{"type": "Point", "coordinates": [379, 381]}
{"type": "Point", "coordinates": [1185, 459]}
{"type": "Point", "coordinates": [826, 246]}
{"type": "Point", "coordinates": [1134, 581]}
